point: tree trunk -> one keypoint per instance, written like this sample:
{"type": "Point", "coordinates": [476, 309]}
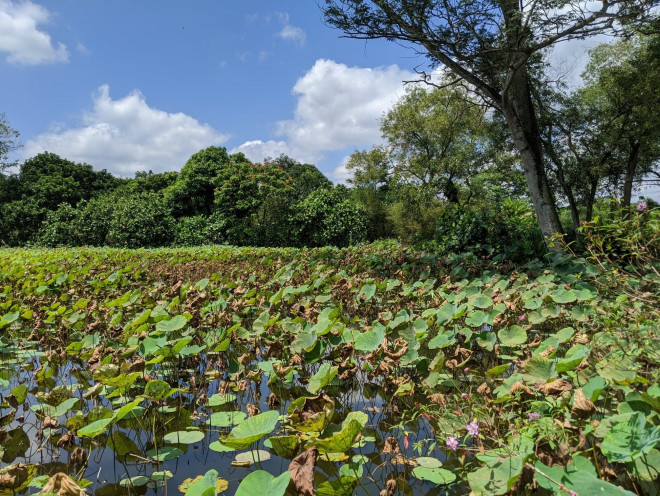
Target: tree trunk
{"type": "Point", "coordinates": [568, 191]}
{"type": "Point", "coordinates": [591, 200]}
{"type": "Point", "coordinates": [631, 167]}
{"type": "Point", "coordinates": [520, 116]}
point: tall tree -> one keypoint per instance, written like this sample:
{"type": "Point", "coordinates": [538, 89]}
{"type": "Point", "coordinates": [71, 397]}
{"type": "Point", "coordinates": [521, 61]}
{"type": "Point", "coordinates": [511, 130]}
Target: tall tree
{"type": "Point", "coordinates": [437, 140]}
{"type": "Point", "coordinates": [606, 134]}
{"type": "Point", "coordinates": [491, 45]}
{"type": "Point", "coordinates": [8, 143]}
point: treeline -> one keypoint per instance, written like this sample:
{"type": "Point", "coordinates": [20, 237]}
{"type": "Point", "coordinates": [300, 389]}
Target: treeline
{"type": "Point", "coordinates": [215, 198]}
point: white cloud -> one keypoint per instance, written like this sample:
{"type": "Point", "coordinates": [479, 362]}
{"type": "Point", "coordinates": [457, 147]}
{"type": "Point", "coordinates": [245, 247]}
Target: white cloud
{"type": "Point", "coordinates": [21, 39]}
{"type": "Point", "coordinates": [340, 106]}
{"type": "Point", "coordinates": [290, 32]}
{"type": "Point", "coordinates": [126, 135]}
{"type": "Point", "coordinates": [341, 174]}
{"type": "Point", "coordinates": [258, 150]}
{"type": "Point", "coordinates": [568, 59]}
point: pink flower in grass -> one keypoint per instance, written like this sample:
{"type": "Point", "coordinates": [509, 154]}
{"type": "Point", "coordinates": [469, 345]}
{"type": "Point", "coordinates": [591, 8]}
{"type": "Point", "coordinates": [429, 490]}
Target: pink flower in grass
{"type": "Point", "coordinates": [641, 206]}
{"type": "Point", "coordinates": [473, 428]}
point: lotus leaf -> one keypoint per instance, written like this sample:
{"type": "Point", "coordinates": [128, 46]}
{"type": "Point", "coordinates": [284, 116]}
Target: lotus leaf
{"type": "Point", "coordinates": [261, 482]}
{"type": "Point", "coordinates": [251, 430]}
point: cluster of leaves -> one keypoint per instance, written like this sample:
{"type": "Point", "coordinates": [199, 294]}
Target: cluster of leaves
{"type": "Point", "coordinates": [371, 369]}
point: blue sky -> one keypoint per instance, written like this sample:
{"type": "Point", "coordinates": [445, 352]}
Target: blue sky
{"type": "Point", "coordinates": [142, 85]}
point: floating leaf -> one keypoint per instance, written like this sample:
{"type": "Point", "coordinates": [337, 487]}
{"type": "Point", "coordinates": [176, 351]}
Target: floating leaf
{"type": "Point", "coordinates": [254, 456]}
{"type": "Point", "coordinates": [184, 437]}
{"type": "Point", "coordinates": [190, 487]}
{"type": "Point", "coordinates": [221, 399]}
{"type": "Point", "coordinates": [512, 336]}
{"type": "Point", "coordinates": [371, 340]}
{"type": "Point", "coordinates": [261, 482]}
{"type": "Point", "coordinates": [251, 430]}
{"type": "Point", "coordinates": [438, 476]}
{"type": "Point", "coordinates": [225, 419]}
{"type": "Point", "coordinates": [165, 453]}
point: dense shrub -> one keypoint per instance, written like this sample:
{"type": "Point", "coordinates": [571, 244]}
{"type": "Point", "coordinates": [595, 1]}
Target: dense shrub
{"type": "Point", "coordinates": [198, 231]}
{"type": "Point", "coordinates": [123, 220]}
{"type": "Point", "coordinates": [509, 229]}
{"type": "Point", "coordinates": [59, 227]}
{"type": "Point", "coordinates": [326, 217]}
{"type": "Point", "coordinates": [627, 240]}
{"type": "Point", "coordinates": [141, 220]}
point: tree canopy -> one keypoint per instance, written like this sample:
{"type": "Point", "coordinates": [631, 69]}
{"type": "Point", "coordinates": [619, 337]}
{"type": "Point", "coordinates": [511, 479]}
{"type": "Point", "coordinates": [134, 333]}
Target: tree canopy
{"type": "Point", "coordinates": [492, 46]}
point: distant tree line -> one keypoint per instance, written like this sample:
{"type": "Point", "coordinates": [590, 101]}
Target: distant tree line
{"type": "Point", "coordinates": [215, 198]}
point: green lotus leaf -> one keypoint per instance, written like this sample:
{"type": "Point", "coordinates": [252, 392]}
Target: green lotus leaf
{"type": "Point", "coordinates": [225, 419]}
{"type": "Point", "coordinates": [341, 441]}
{"type": "Point", "coordinates": [322, 378]}
{"type": "Point", "coordinates": [221, 399]}
{"type": "Point", "coordinates": [344, 486]}
{"type": "Point", "coordinates": [95, 428]}
{"type": "Point", "coordinates": [512, 336]}
{"type": "Point", "coordinates": [629, 440]}
{"type": "Point", "coordinates": [261, 482]}
{"type": "Point", "coordinates": [497, 477]}
{"type": "Point", "coordinates": [54, 411]}
{"type": "Point", "coordinates": [438, 476]}
{"type": "Point", "coordinates": [285, 446]}
{"type": "Point", "coordinates": [165, 453]}
{"type": "Point", "coordinates": [184, 437]}
{"type": "Point", "coordinates": [370, 340]}
{"type": "Point", "coordinates": [174, 324]}
{"type": "Point", "coordinates": [251, 430]}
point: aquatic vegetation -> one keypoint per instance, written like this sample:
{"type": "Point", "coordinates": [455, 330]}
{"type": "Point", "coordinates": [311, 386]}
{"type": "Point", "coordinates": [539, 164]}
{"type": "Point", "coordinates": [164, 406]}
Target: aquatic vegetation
{"type": "Point", "coordinates": [367, 370]}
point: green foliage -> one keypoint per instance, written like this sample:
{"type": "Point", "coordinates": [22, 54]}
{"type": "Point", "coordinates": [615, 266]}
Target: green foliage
{"type": "Point", "coordinates": [251, 203]}
{"type": "Point", "coordinates": [196, 231]}
{"type": "Point", "coordinates": [437, 138]}
{"type": "Point", "coordinates": [123, 220]}
{"type": "Point", "coordinates": [507, 229]}
{"type": "Point", "coordinates": [42, 183]}
{"type": "Point", "coordinates": [327, 218]}
{"type": "Point", "coordinates": [140, 221]}
{"type": "Point", "coordinates": [303, 178]}
{"type": "Point", "coordinates": [627, 242]}
{"type": "Point", "coordinates": [193, 191]}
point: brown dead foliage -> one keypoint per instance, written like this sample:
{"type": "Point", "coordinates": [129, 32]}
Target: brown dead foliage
{"type": "Point", "coordinates": [583, 407]}
{"type": "Point", "coordinates": [62, 485]}
{"type": "Point", "coordinates": [484, 389]}
{"type": "Point", "coordinates": [302, 472]}
{"type": "Point", "coordinates": [14, 476]}
{"type": "Point", "coordinates": [391, 447]}
{"type": "Point", "coordinates": [438, 399]}
{"type": "Point", "coordinates": [555, 388]}
{"type": "Point", "coordinates": [252, 410]}
{"type": "Point", "coordinates": [519, 387]}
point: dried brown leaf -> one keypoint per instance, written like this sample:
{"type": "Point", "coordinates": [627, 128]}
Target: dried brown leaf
{"type": "Point", "coordinates": [302, 471]}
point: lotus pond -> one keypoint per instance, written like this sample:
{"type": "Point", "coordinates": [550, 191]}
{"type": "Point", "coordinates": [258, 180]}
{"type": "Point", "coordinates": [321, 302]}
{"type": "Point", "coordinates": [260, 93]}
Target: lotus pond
{"type": "Point", "coordinates": [370, 370]}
